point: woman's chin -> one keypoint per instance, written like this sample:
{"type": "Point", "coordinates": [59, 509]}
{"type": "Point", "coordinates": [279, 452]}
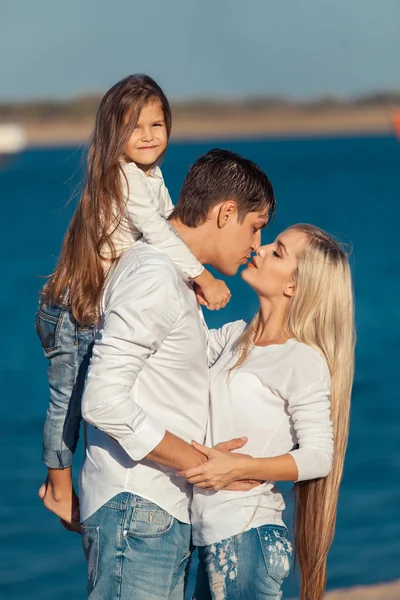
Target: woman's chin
{"type": "Point", "coordinates": [248, 274]}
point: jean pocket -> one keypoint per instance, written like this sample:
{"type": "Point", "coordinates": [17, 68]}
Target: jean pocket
{"type": "Point", "coordinates": [48, 324]}
{"type": "Point", "coordinates": [277, 551]}
{"type": "Point", "coordinates": [149, 520]}
{"type": "Point", "coordinates": [91, 544]}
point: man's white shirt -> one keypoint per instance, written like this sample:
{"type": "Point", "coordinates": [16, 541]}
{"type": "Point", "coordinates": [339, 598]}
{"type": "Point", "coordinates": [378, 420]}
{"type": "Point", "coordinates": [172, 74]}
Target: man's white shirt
{"type": "Point", "coordinates": [148, 374]}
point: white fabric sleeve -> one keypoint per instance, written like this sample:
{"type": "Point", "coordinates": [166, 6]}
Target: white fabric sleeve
{"type": "Point", "coordinates": [169, 206]}
{"type": "Point", "coordinates": [311, 416]}
{"type": "Point", "coordinates": [144, 211]}
{"type": "Point", "coordinates": [136, 321]}
{"type": "Point", "coordinates": [219, 339]}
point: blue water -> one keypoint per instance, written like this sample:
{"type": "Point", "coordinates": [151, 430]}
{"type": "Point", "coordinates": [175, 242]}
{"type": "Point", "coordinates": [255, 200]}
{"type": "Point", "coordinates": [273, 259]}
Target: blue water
{"type": "Point", "coordinates": [351, 186]}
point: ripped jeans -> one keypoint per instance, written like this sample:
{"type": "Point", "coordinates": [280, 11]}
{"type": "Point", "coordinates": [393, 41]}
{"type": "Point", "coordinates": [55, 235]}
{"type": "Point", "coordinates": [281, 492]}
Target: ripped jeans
{"type": "Point", "coordinates": [251, 565]}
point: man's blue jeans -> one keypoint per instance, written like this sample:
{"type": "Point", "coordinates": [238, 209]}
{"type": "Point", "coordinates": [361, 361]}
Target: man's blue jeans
{"type": "Point", "coordinates": [135, 551]}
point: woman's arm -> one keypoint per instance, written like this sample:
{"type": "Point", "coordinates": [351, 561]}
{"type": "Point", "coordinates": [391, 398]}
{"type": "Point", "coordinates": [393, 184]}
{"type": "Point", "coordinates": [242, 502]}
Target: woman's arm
{"type": "Point", "coordinates": [310, 412]}
{"type": "Point", "coordinates": [219, 338]}
{"type": "Point", "coordinates": [222, 469]}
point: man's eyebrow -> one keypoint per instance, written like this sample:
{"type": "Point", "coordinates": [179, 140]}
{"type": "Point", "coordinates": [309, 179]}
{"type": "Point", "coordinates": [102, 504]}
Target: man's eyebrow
{"type": "Point", "coordinates": [281, 245]}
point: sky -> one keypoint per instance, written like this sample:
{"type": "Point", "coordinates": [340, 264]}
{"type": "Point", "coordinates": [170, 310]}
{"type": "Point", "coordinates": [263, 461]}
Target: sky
{"type": "Point", "coordinates": [200, 48]}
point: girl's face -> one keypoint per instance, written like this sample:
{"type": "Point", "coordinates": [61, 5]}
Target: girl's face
{"type": "Point", "coordinates": [270, 272]}
{"type": "Point", "coordinates": [149, 138]}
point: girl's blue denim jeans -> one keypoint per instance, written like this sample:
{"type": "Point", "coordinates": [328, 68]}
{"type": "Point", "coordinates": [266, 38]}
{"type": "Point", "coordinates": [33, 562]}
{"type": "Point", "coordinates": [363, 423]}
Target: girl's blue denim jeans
{"type": "Point", "coordinates": [68, 347]}
{"type": "Point", "coordinates": [249, 566]}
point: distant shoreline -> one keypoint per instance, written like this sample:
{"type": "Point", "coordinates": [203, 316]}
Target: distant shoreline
{"type": "Point", "coordinates": [244, 124]}
{"type": "Point", "coordinates": [62, 123]}
{"type": "Point", "coordinates": [382, 591]}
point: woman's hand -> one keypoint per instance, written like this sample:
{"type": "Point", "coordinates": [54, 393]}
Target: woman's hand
{"type": "Point", "coordinates": [221, 470]}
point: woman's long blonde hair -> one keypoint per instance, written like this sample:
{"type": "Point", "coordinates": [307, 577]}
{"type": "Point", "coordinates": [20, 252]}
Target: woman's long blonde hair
{"type": "Point", "coordinates": [321, 315]}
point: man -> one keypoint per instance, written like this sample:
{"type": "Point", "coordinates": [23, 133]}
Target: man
{"type": "Point", "coordinates": [147, 391]}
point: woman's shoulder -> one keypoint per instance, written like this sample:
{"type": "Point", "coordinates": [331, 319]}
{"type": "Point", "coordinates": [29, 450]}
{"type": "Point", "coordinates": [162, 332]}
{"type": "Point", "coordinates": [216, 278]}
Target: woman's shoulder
{"type": "Point", "coordinates": [308, 365]}
{"type": "Point", "coordinates": [227, 335]}
{"type": "Point", "coordinates": [233, 329]}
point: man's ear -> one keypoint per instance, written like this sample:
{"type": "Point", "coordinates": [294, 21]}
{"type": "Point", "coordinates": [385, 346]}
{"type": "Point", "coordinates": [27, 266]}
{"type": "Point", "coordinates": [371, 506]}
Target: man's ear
{"type": "Point", "coordinates": [226, 211]}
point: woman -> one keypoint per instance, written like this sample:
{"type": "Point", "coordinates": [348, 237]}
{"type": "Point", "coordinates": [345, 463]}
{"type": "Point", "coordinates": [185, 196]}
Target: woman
{"type": "Point", "coordinates": [285, 382]}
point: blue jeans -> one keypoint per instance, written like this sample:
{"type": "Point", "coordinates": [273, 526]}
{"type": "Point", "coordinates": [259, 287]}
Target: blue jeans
{"type": "Point", "coordinates": [68, 347]}
{"type": "Point", "coordinates": [135, 551]}
{"type": "Point", "coordinates": [251, 565]}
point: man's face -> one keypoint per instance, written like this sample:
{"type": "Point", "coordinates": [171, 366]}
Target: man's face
{"type": "Point", "coordinates": [236, 241]}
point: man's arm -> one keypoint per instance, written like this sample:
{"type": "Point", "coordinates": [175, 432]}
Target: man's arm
{"type": "Point", "coordinates": [173, 452]}
{"type": "Point", "coordinates": [141, 312]}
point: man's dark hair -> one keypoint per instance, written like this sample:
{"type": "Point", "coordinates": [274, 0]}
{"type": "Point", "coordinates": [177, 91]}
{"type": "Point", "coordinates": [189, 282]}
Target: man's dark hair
{"type": "Point", "coordinates": [222, 175]}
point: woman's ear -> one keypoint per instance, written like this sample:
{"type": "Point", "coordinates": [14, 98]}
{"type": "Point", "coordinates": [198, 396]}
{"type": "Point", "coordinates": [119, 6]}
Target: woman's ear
{"type": "Point", "coordinates": [290, 289]}
{"type": "Point", "coordinates": [227, 210]}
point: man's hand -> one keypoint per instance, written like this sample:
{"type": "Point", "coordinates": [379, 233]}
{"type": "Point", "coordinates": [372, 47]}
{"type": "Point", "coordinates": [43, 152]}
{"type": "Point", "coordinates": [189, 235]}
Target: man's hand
{"type": "Point", "coordinates": [58, 496]}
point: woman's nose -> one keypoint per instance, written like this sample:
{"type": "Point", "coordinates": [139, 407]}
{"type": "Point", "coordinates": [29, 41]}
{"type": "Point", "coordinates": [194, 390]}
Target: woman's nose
{"type": "Point", "coordinates": [261, 251]}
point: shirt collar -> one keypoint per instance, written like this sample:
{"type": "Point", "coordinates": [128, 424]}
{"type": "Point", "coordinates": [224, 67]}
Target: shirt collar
{"type": "Point", "coordinates": [155, 171]}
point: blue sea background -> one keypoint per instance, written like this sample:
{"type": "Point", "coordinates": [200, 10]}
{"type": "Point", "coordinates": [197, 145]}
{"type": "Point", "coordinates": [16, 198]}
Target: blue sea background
{"type": "Point", "coordinates": [348, 185]}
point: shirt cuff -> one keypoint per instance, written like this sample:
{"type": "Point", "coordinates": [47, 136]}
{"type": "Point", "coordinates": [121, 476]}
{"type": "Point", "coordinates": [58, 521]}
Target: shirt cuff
{"type": "Point", "coordinates": [145, 438]}
{"type": "Point", "coordinates": [311, 464]}
{"type": "Point", "coordinates": [197, 272]}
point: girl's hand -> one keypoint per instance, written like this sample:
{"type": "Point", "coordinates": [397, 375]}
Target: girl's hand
{"type": "Point", "coordinates": [212, 293]}
{"type": "Point", "coordinates": [221, 470]}
{"type": "Point", "coordinates": [217, 294]}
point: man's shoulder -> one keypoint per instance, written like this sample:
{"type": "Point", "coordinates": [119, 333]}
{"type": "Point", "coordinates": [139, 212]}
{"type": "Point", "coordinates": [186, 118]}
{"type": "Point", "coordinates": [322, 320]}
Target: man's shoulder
{"type": "Point", "coordinates": [143, 266]}
{"type": "Point", "coordinates": [143, 255]}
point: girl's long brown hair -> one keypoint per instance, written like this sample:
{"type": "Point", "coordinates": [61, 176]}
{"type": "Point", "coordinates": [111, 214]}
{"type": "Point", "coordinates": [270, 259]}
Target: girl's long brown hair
{"type": "Point", "coordinates": [321, 315]}
{"type": "Point", "coordinates": [88, 241]}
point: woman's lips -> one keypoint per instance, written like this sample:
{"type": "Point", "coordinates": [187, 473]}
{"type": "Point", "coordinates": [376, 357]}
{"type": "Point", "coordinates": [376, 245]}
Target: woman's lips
{"type": "Point", "coordinates": [252, 263]}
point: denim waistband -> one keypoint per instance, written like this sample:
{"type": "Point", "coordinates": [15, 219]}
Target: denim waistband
{"type": "Point", "coordinates": [64, 303]}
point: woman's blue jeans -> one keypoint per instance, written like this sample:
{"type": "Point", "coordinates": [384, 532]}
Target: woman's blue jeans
{"type": "Point", "coordinates": [249, 566]}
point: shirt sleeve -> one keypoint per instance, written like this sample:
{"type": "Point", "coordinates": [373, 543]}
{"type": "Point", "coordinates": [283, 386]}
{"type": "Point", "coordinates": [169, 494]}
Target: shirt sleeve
{"type": "Point", "coordinates": [219, 339]}
{"type": "Point", "coordinates": [169, 207]}
{"type": "Point", "coordinates": [136, 321]}
{"type": "Point", "coordinates": [311, 416]}
{"type": "Point", "coordinates": [145, 213]}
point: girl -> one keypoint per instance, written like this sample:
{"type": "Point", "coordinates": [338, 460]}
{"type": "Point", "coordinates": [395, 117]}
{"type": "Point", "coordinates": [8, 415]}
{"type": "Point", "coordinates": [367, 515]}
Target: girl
{"type": "Point", "coordinates": [124, 198]}
{"type": "Point", "coordinates": [285, 382]}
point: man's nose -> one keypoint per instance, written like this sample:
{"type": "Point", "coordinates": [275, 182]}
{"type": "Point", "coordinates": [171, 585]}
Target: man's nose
{"type": "Point", "coordinates": [256, 241]}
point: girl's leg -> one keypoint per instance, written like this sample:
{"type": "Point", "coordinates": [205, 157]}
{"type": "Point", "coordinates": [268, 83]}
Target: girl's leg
{"type": "Point", "coordinates": [67, 348]}
{"type": "Point", "coordinates": [252, 565]}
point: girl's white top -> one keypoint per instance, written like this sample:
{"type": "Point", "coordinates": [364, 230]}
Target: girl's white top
{"type": "Point", "coordinates": [148, 205]}
{"type": "Point", "coordinates": [279, 398]}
